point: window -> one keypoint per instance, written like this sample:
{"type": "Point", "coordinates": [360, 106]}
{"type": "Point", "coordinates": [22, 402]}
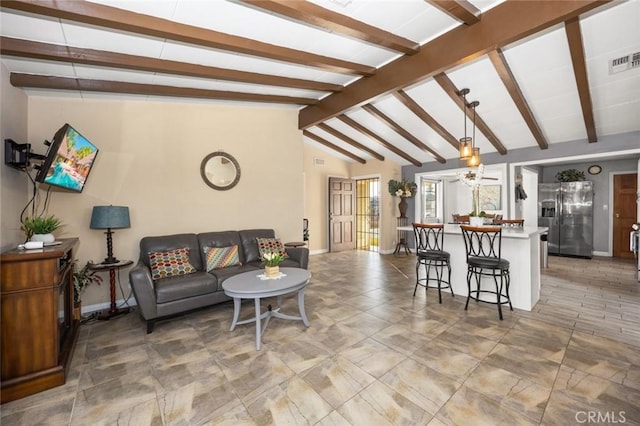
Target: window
{"type": "Point", "coordinates": [429, 195]}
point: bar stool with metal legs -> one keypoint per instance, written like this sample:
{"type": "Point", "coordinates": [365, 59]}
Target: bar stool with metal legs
{"type": "Point", "coordinates": [483, 245]}
{"type": "Point", "coordinates": [430, 254]}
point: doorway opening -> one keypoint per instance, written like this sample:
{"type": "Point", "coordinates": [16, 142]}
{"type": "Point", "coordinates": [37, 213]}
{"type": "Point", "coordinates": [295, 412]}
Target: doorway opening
{"type": "Point", "coordinates": [368, 214]}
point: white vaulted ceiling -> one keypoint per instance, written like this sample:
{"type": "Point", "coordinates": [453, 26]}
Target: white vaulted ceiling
{"type": "Point", "coordinates": [348, 112]}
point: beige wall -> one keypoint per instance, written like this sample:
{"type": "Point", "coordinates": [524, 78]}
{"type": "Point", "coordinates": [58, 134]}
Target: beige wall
{"type": "Point", "coordinates": [149, 160]}
{"type": "Point", "coordinates": [317, 197]}
{"type": "Point", "coordinates": [14, 186]}
{"type": "Point", "coordinates": [317, 193]}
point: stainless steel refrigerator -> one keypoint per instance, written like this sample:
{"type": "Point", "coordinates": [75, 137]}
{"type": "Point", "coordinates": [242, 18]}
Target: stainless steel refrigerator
{"type": "Point", "coordinates": [567, 210]}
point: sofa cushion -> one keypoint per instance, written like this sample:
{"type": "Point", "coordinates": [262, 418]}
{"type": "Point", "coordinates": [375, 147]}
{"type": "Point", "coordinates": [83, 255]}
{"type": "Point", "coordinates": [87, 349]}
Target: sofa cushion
{"type": "Point", "coordinates": [184, 286]}
{"type": "Point", "coordinates": [224, 273]}
{"type": "Point", "coordinates": [271, 245]}
{"type": "Point", "coordinates": [170, 242]}
{"type": "Point", "coordinates": [250, 244]}
{"type": "Point", "coordinates": [220, 239]}
{"type": "Point", "coordinates": [221, 257]}
{"type": "Point", "coordinates": [168, 263]}
{"type": "Point", "coordinates": [289, 263]}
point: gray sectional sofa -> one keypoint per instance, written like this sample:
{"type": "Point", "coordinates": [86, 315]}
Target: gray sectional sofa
{"type": "Point", "coordinates": [172, 295]}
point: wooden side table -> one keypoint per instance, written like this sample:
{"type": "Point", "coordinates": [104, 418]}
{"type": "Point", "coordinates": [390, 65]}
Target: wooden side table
{"type": "Point", "coordinates": [113, 310]}
{"type": "Point", "coordinates": [295, 244]}
{"type": "Point", "coordinates": [403, 222]}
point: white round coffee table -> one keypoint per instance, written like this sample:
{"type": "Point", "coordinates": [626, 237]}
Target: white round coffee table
{"type": "Point", "coordinates": [249, 285]}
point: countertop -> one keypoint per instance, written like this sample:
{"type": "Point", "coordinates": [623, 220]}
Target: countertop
{"type": "Point", "coordinates": [523, 233]}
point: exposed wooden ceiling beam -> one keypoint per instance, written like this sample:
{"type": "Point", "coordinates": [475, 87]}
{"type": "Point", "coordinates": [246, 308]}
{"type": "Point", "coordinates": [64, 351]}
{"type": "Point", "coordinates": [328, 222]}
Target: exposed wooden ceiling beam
{"type": "Point", "coordinates": [359, 127]}
{"type": "Point", "coordinates": [53, 52]}
{"type": "Point", "coordinates": [350, 141]}
{"type": "Point", "coordinates": [460, 10]}
{"type": "Point", "coordinates": [401, 131]}
{"type": "Point", "coordinates": [423, 115]}
{"type": "Point", "coordinates": [332, 146]}
{"type": "Point", "coordinates": [119, 19]}
{"type": "Point", "coordinates": [454, 93]}
{"type": "Point", "coordinates": [504, 71]}
{"type": "Point", "coordinates": [574, 37]}
{"type": "Point", "coordinates": [62, 83]}
{"type": "Point", "coordinates": [312, 14]}
{"type": "Point", "coordinates": [501, 25]}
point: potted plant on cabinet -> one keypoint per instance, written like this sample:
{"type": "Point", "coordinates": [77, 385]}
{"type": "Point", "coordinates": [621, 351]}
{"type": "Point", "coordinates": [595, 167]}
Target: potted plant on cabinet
{"type": "Point", "coordinates": [570, 175]}
{"type": "Point", "coordinates": [40, 228]}
{"type": "Point", "coordinates": [81, 280]}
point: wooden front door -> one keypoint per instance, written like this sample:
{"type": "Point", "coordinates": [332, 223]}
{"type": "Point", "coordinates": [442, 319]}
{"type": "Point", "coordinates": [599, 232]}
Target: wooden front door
{"type": "Point", "coordinates": [342, 219]}
{"type": "Point", "coordinates": [624, 212]}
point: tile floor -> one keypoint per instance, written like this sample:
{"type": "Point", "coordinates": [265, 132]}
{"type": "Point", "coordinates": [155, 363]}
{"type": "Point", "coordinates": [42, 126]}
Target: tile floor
{"type": "Point", "coordinates": [373, 355]}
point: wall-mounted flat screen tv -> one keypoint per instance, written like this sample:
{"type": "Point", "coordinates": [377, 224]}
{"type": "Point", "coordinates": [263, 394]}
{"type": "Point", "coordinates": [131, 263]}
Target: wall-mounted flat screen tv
{"type": "Point", "coordinates": [68, 161]}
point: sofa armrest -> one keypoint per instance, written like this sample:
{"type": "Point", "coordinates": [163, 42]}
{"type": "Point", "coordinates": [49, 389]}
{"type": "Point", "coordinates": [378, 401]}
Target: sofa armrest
{"type": "Point", "coordinates": [143, 291]}
{"type": "Point", "coordinates": [300, 255]}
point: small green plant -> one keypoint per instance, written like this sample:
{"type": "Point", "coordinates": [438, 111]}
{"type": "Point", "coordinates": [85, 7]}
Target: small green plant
{"type": "Point", "coordinates": [40, 225]}
{"type": "Point", "coordinates": [481, 214]}
{"type": "Point", "coordinates": [83, 278]}
{"type": "Point", "coordinates": [570, 175]}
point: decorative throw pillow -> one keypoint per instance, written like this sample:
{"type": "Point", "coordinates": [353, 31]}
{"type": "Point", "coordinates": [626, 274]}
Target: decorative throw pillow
{"type": "Point", "coordinates": [171, 262]}
{"type": "Point", "coordinates": [221, 257]}
{"type": "Point", "coordinates": [271, 245]}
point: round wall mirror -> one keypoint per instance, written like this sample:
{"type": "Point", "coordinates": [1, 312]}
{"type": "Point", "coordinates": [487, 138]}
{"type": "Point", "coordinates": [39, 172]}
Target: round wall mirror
{"type": "Point", "coordinates": [220, 170]}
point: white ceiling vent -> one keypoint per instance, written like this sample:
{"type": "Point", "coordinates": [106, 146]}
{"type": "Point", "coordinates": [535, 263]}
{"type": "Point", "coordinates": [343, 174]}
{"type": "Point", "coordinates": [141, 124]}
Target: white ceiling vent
{"type": "Point", "coordinates": [624, 63]}
{"type": "Point", "coordinates": [318, 161]}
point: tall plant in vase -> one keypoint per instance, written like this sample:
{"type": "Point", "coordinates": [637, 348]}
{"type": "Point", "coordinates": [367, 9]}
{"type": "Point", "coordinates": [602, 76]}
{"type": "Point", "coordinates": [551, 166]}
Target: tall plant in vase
{"type": "Point", "coordinates": [476, 217]}
{"type": "Point", "coordinates": [403, 189]}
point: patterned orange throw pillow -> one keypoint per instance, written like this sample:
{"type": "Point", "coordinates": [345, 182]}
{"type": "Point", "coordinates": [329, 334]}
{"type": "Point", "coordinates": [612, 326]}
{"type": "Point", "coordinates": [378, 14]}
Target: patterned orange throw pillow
{"type": "Point", "coordinates": [271, 245]}
{"type": "Point", "coordinates": [169, 263]}
{"type": "Point", "coordinates": [221, 257]}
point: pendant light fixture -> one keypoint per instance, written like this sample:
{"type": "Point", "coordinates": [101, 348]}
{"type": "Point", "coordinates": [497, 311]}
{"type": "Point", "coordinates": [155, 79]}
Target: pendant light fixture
{"type": "Point", "coordinates": [466, 143]}
{"type": "Point", "coordinates": [474, 160]}
{"type": "Point", "coordinates": [468, 150]}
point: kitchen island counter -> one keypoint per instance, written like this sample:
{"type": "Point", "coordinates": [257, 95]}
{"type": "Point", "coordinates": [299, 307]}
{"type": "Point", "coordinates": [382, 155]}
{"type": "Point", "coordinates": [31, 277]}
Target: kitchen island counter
{"type": "Point", "coordinates": [520, 246]}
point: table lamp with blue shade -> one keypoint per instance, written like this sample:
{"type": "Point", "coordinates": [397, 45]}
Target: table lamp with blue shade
{"type": "Point", "coordinates": [110, 217]}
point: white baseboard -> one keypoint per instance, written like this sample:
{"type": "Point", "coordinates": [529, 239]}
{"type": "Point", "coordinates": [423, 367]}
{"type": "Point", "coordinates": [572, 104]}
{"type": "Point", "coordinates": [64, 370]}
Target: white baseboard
{"type": "Point", "coordinates": [101, 306]}
{"type": "Point", "coordinates": [601, 253]}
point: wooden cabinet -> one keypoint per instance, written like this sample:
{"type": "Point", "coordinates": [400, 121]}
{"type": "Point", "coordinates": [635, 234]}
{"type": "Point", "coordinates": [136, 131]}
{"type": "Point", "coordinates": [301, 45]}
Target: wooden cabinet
{"type": "Point", "coordinates": [38, 329]}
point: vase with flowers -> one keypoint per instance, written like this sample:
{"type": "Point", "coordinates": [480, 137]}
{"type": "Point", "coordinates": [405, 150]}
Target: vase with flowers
{"type": "Point", "coordinates": [272, 261]}
{"type": "Point", "coordinates": [403, 189]}
{"type": "Point", "coordinates": [476, 217]}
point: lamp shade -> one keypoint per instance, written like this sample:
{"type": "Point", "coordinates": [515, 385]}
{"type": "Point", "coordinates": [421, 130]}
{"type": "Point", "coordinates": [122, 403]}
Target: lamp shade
{"type": "Point", "coordinates": [466, 147]}
{"type": "Point", "coordinates": [110, 217]}
{"type": "Point", "coordinates": [474, 160]}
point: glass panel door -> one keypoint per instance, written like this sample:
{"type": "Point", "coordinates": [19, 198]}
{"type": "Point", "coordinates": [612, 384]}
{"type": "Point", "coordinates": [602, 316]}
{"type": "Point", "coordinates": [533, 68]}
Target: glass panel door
{"type": "Point", "coordinates": [368, 214]}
